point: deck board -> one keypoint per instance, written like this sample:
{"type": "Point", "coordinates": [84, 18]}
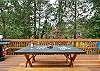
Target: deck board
{"type": "Point", "coordinates": [90, 61]}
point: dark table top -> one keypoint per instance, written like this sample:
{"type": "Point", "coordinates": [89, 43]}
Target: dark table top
{"type": "Point", "coordinates": [41, 49]}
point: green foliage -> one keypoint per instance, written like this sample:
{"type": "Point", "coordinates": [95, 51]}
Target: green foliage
{"type": "Point", "coordinates": [27, 18]}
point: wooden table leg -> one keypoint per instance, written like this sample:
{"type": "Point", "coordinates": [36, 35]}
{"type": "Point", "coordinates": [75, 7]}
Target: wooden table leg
{"type": "Point", "coordinates": [67, 56]}
{"type": "Point", "coordinates": [33, 60]}
{"type": "Point", "coordinates": [72, 58]}
{"type": "Point", "coordinates": [28, 60]}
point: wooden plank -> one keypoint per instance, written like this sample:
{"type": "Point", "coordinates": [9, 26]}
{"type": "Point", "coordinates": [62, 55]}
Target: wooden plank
{"type": "Point", "coordinates": [50, 69]}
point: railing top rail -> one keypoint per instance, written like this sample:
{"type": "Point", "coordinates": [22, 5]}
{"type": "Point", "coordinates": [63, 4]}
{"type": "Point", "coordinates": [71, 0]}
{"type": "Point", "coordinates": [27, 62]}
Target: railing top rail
{"type": "Point", "coordinates": [54, 39]}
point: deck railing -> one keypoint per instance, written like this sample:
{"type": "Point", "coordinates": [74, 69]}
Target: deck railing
{"type": "Point", "coordinates": [89, 45]}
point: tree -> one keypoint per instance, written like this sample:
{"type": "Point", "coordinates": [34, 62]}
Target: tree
{"type": "Point", "coordinates": [3, 16]}
{"type": "Point", "coordinates": [71, 12]}
{"type": "Point", "coordinates": [24, 18]}
{"type": "Point", "coordinates": [93, 23]}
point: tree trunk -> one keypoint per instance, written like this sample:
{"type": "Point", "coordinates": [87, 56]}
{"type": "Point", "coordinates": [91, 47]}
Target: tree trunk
{"type": "Point", "coordinates": [75, 22]}
{"type": "Point", "coordinates": [35, 29]}
{"type": "Point", "coordinates": [4, 29]}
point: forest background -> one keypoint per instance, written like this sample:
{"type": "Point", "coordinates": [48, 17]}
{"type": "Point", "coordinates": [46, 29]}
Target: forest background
{"type": "Point", "coordinates": [43, 19]}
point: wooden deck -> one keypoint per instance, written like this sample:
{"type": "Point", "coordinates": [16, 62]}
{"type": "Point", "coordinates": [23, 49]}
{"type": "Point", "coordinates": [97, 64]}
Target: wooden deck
{"type": "Point", "coordinates": [90, 61]}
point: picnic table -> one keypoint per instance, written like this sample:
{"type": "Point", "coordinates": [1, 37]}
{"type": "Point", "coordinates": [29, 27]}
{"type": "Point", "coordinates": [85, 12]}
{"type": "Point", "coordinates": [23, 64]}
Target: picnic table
{"type": "Point", "coordinates": [69, 52]}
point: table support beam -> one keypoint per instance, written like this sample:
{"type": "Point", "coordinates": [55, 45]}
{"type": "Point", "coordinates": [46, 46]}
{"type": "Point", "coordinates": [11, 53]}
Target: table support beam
{"type": "Point", "coordinates": [67, 56]}
{"type": "Point", "coordinates": [28, 58]}
{"type": "Point", "coordinates": [33, 59]}
{"type": "Point", "coordinates": [69, 59]}
{"type": "Point", "coordinates": [72, 58]}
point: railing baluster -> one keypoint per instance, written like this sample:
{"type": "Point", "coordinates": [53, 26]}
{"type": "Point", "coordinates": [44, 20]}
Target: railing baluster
{"type": "Point", "coordinates": [89, 45]}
